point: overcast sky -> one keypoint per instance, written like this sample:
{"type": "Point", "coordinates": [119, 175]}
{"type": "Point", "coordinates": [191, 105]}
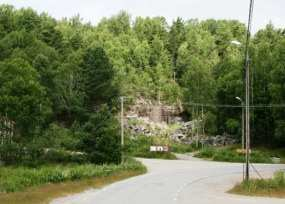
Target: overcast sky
{"type": "Point", "coordinates": [93, 10]}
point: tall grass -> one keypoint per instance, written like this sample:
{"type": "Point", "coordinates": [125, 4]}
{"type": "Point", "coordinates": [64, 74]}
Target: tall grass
{"type": "Point", "coordinates": [181, 148]}
{"type": "Point", "coordinates": [14, 179]}
{"type": "Point", "coordinates": [263, 187]}
{"type": "Point", "coordinates": [231, 155]}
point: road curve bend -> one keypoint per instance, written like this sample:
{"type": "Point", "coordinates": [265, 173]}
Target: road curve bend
{"type": "Point", "coordinates": [189, 181]}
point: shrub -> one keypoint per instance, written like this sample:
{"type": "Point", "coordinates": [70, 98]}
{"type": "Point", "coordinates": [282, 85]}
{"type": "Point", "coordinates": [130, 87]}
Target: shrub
{"type": "Point", "coordinates": [11, 153]}
{"type": "Point", "coordinates": [32, 155]}
{"type": "Point", "coordinates": [59, 137]}
{"type": "Point", "coordinates": [60, 156]}
{"type": "Point", "coordinates": [102, 141]}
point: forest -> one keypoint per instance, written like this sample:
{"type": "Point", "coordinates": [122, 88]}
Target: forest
{"type": "Point", "coordinates": [60, 80]}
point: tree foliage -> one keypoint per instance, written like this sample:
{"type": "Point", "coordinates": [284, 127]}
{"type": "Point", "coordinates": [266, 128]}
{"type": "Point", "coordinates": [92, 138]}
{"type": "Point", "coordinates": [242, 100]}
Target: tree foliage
{"type": "Point", "coordinates": [62, 71]}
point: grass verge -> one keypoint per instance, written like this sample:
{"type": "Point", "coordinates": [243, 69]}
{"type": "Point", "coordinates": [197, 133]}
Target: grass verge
{"type": "Point", "coordinates": [40, 185]}
{"type": "Point", "coordinates": [181, 148]}
{"type": "Point", "coordinates": [155, 155]}
{"type": "Point", "coordinates": [274, 187]}
{"type": "Point", "coordinates": [229, 154]}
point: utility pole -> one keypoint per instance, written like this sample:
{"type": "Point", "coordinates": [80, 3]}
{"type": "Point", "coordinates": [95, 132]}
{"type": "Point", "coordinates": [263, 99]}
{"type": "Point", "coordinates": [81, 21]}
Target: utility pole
{"type": "Point", "coordinates": [197, 128]}
{"type": "Point", "coordinates": [122, 120]}
{"type": "Point", "coordinates": [193, 123]}
{"type": "Point", "coordinates": [203, 122]}
{"type": "Point", "coordinates": [247, 90]}
{"type": "Point", "coordinates": [242, 127]}
{"type": "Point", "coordinates": [203, 127]}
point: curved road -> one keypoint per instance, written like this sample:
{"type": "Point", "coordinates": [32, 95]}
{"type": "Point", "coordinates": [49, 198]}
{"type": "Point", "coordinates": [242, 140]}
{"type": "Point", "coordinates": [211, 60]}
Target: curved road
{"type": "Point", "coordinates": [190, 181]}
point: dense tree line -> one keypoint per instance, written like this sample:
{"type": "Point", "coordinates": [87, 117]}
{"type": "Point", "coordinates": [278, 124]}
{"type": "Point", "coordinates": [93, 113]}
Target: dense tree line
{"type": "Point", "coordinates": [60, 79]}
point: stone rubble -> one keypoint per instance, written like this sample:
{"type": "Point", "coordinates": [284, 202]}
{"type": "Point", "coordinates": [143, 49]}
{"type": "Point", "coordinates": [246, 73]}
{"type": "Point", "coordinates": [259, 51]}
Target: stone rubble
{"type": "Point", "coordinates": [182, 131]}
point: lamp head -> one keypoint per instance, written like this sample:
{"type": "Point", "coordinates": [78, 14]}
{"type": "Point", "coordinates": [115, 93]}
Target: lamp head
{"type": "Point", "coordinates": [235, 42]}
{"type": "Point", "coordinates": [238, 98]}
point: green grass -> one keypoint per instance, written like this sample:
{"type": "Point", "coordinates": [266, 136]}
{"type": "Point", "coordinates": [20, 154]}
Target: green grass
{"type": "Point", "coordinates": [280, 153]}
{"type": "Point", "coordinates": [156, 155]}
{"type": "Point", "coordinates": [13, 179]}
{"type": "Point", "coordinates": [229, 154]}
{"type": "Point", "coordinates": [181, 148]}
{"type": "Point", "coordinates": [274, 187]}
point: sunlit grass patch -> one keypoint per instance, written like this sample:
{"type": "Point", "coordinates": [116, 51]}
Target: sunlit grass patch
{"type": "Point", "coordinates": [38, 185]}
{"type": "Point", "coordinates": [230, 154]}
{"type": "Point", "coordinates": [274, 187]}
{"type": "Point", "coordinates": [44, 194]}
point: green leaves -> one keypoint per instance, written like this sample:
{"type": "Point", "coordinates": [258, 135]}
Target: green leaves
{"type": "Point", "coordinates": [22, 97]}
{"type": "Point", "coordinates": [98, 76]}
{"type": "Point", "coordinates": [102, 143]}
{"type": "Point", "coordinates": [62, 71]}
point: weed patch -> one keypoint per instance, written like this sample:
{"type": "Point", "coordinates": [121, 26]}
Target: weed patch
{"type": "Point", "coordinates": [274, 187]}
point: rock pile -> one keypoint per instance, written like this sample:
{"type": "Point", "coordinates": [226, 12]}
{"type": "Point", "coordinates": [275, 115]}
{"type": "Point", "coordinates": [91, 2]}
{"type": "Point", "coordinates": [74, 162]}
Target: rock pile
{"type": "Point", "coordinates": [144, 126]}
{"type": "Point", "coordinates": [183, 132]}
{"type": "Point", "coordinates": [179, 131]}
{"type": "Point", "coordinates": [219, 140]}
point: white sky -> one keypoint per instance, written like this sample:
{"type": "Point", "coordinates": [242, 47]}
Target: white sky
{"type": "Point", "coordinates": [93, 10]}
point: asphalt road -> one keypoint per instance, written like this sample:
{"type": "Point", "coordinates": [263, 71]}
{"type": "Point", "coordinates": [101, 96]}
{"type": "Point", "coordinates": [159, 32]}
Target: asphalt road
{"type": "Point", "coordinates": [188, 181]}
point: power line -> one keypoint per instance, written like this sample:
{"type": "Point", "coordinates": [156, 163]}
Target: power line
{"type": "Point", "coordinates": [236, 106]}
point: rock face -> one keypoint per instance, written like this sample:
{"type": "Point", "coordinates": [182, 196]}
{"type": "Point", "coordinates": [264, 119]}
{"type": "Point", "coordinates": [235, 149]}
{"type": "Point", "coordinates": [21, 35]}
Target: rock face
{"type": "Point", "coordinates": [155, 112]}
{"type": "Point", "coordinates": [146, 118]}
{"type": "Point", "coordinates": [179, 131]}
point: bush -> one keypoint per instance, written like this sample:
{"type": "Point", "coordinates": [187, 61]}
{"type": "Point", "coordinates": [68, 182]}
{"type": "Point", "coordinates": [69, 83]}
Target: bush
{"type": "Point", "coordinates": [18, 154]}
{"type": "Point", "coordinates": [32, 155]}
{"type": "Point", "coordinates": [102, 141]}
{"type": "Point", "coordinates": [11, 153]}
{"type": "Point", "coordinates": [59, 137]}
{"type": "Point", "coordinates": [60, 156]}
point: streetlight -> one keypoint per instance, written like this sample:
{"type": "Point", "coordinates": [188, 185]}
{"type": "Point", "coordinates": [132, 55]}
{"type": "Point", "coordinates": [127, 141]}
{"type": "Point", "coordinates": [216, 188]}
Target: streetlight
{"type": "Point", "coordinates": [247, 89]}
{"type": "Point", "coordinates": [242, 118]}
